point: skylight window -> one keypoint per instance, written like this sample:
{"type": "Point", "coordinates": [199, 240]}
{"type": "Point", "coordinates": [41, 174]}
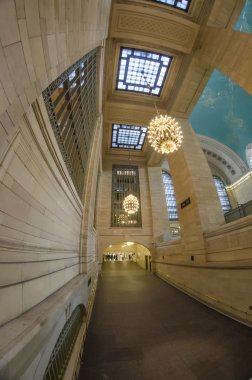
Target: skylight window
{"type": "Point", "coordinates": [180, 4]}
{"type": "Point", "coordinates": [128, 136]}
{"type": "Point", "coordinates": [142, 71]}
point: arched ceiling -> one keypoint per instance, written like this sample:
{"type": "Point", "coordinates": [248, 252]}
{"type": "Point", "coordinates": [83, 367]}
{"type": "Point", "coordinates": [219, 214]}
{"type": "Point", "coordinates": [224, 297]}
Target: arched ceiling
{"type": "Point", "coordinates": [155, 27]}
{"type": "Point", "coordinates": [224, 112]}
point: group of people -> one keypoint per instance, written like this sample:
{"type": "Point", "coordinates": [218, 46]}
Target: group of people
{"type": "Point", "coordinates": [117, 256]}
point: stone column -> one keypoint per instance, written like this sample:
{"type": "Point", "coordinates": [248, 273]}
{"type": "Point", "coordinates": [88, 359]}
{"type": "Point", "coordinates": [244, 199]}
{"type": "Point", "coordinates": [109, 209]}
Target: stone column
{"type": "Point", "coordinates": [160, 221]}
{"type": "Point", "coordinates": [193, 180]}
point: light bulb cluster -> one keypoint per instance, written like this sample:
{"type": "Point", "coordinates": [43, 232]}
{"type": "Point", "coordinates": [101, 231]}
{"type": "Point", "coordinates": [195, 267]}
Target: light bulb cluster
{"type": "Point", "coordinates": [165, 134]}
{"type": "Point", "coordinates": [131, 204]}
{"type": "Point", "coordinates": [122, 219]}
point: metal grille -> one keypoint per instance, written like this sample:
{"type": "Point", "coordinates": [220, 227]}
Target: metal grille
{"type": "Point", "coordinates": [170, 196]}
{"type": "Point", "coordinates": [221, 190]}
{"type": "Point", "coordinates": [128, 136]}
{"type": "Point", "coordinates": [142, 71]}
{"type": "Point", "coordinates": [125, 181]}
{"type": "Point", "coordinates": [71, 102]}
{"type": "Point", "coordinates": [64, 346]}
{"type": "Point", "coordinates": [180, 4]}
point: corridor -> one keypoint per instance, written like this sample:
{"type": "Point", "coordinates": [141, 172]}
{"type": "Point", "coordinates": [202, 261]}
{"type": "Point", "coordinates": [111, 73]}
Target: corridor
{"type": "Point", "coordinates": [144, 329]}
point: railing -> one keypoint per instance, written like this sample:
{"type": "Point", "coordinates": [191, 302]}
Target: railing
{"type": "Point", "coordinates": [64, 346]}
{"type": "Point", "coordinates": [239, 212]}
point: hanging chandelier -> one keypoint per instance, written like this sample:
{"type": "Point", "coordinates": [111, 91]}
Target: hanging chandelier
{"type": "Point", "coordinates": [164, 134]}
{"type": "Point", "coordinates": [131, 204]}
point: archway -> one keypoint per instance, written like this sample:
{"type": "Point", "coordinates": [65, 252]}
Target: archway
{"type": "Point", "coordinates": [128, 251]}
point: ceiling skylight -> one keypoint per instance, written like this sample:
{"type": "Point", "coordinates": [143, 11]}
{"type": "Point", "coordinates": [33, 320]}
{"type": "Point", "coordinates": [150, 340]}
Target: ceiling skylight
{"type": "Point", "coordinates": [142, 71]}
{"type": "Point", "coordinates": [128, 136]}
{"type": "Point", "coordinates": [180, 4]}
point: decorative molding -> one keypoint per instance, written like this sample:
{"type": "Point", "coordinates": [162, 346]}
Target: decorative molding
{"type": "Point", "coordinates": [63, 171]}
{"type": "Point", "coordinates": [156, 26]}
{"type": "Point", "coordinates": [224, 158]}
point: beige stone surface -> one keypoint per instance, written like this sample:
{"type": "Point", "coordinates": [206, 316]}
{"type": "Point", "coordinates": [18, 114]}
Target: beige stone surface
{"type": "Point", "coordinates": [48, 235]}
{"type": "Point", "coordinates": [192, 179]}
{"type": "Point", "coordinates": [9, 32]}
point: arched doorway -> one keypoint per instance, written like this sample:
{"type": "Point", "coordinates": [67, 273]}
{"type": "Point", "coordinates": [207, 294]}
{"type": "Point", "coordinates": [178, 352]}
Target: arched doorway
{"type": "Point", "coordinates": [128, 251]}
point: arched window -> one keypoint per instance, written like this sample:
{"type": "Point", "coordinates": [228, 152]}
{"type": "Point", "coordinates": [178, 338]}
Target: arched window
{"type": "Point", "coordinates": [221, 190]}
{"type": "Point", "coordinates": [170, 196]}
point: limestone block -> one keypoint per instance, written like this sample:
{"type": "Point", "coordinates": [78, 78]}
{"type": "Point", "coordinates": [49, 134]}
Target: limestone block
{"type": "Point", "coordinates": [11, 299]}
{"type": "Point", "coordinates": [9, 32]}
{"type": "Point", "coordinates": [20, 8]}
{"type": "Point", "coordinates": [33, 270]}
{"type": "Point", "coordinates": [22, 176]}
{"type": "Point", "coordinates": [15, 112]}
{"type": "Point", "coordinates": [9, 273]}
{"type": "Point", "coordinates": [47, 11]}
{"type": "Point", "coordinates": [3, 141]}
{"type": "Point", "coordinates": [61, 47]}
{"type": "Point", "coordinates": [12, 205]}
{"type": "Point", "coordinates": [3, 99]}
{"type": "Point", "coordinates": [35, 291]}
{"type": "Point", "coordinates": [38, 57]}
{"type": "Point", "coordinates": [24, 101]}
{"type": "Point", "coordinates": [32, 17]}
{"type": "Point", "coordinates": [18, 69]}
{"type": "Point", "coordinates": [61, 16]}
{"type": "Point", "coordinates": [5, 77]}
{"type": "Point", "coordinates": [26, 49]}
{"type": "Point", "coordinates": [31, 93]}
{"type": "Point", "coordinates": [7, 123]}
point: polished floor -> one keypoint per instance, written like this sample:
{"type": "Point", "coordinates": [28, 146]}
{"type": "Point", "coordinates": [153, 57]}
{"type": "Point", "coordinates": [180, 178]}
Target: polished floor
{"type": "Point", "coordinates": [144, 329]}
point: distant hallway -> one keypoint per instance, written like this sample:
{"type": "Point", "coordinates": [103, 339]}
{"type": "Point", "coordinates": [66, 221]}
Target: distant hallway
{"type": "Point", "coordinates": [144, 329]}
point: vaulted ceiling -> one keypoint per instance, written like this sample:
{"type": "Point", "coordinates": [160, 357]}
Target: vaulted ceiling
{"type": "Point", "coordinates": [152, 26]}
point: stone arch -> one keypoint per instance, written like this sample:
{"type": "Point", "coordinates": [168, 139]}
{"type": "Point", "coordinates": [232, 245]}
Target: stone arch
{"type": "Point", "coordinates": [137, 251]}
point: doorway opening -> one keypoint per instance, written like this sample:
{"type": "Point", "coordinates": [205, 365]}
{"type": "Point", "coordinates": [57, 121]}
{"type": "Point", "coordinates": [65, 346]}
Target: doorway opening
{"type": "Point", "coordinates": [128, 251]}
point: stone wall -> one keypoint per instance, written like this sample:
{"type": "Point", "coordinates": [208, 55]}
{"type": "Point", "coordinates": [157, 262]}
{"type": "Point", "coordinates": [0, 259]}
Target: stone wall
{"type": "Point", "coordinates": [224, 282]}
{"type": "Point", "coordinates": [241, 191]}
{"type": "Point", "coordinates": [39, 39]}
{"type": "Point", "coordinates": [113, 235]}
{"type": "Point", "coordinates": [41, 213]}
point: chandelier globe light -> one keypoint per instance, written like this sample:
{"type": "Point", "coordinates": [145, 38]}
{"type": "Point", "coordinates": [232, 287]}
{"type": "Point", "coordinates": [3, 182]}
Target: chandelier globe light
{"type": "Point", "coordinates": [165, 134]}
{"type": "Point", "coordinates": [131, 204]}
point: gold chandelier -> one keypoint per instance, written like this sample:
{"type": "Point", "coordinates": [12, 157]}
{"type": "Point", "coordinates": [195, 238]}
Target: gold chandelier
{"type": "Point", "coordinates": [164, 134]}
{"type": "Point", "coordinates": [131, 204]}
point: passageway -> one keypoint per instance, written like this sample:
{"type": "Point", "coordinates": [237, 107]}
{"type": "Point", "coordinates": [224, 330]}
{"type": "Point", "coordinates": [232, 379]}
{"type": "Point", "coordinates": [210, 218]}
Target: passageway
{"type": "Point", "coordinates": [144, 329]}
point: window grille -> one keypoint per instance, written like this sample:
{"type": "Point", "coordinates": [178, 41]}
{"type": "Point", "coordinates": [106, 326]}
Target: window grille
{"type": "Point", "coordinates": [179, 4]}
{"type": "Point", "coordinates": [128, 136]}
{"type": "Point", "coordinates": [71, 102]}
{"type": "Point", "coordinates": [222, 193]}
{"type": "Point", "coordinates": [64, 346]}
{"type": "Point", "coordinates": [170, 196]}
{"type": "Point", "coordinates": [142, 71]}
{"type": "Point", "coordinates": [125, 181]}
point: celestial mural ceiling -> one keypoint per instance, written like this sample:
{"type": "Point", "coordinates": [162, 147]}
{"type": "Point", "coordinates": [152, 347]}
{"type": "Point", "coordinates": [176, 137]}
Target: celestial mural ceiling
{"type": "Point", "coordinates": [224, 112]}
{"type": "Point", "coordinates": [244, 22]}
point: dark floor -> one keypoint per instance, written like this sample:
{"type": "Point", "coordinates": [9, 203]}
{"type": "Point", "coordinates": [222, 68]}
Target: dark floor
{"type": "Point", "coordinates": [144, 329]}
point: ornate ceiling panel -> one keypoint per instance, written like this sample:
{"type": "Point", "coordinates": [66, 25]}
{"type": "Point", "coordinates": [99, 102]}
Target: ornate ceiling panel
{"type": "Point", "coordinates": [153, 26]}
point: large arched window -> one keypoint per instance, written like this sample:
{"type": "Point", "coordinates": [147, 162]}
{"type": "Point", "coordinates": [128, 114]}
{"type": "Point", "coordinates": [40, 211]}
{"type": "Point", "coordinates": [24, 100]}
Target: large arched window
{"type": "Point", "coordinates": [221, 190]}
{"type": "Point", "coordinates": [170, 196]}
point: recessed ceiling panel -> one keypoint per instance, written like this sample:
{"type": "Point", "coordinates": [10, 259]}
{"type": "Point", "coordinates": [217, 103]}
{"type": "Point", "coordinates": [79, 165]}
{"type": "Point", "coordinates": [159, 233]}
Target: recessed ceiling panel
{"type": "Point", "coordinates": [128, 136]}
{"type": "Point", "coordinates": [180, 4]}
{"type": "Point", "coordinates": [142, 71]}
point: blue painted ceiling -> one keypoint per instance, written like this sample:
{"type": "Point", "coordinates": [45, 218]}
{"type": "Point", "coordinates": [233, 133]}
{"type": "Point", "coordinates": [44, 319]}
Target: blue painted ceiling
{"type": "Point", "coordinates": [224, 112]}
